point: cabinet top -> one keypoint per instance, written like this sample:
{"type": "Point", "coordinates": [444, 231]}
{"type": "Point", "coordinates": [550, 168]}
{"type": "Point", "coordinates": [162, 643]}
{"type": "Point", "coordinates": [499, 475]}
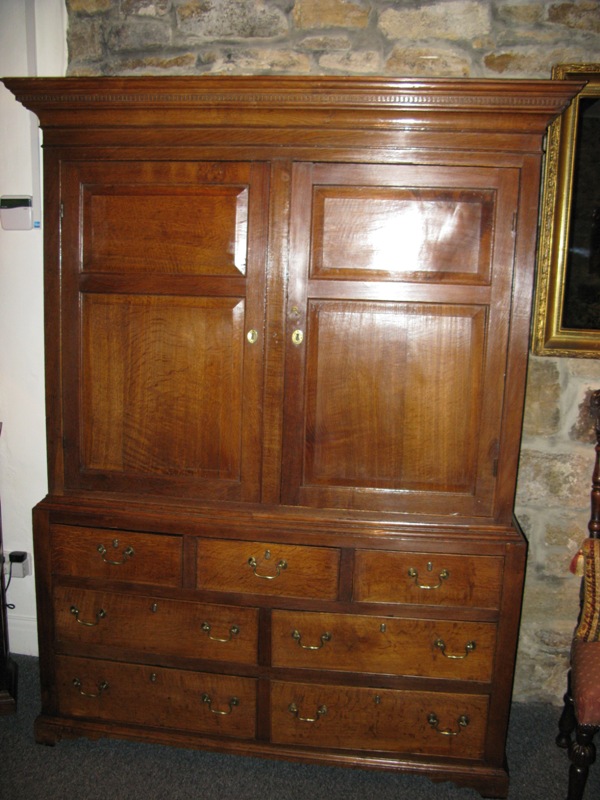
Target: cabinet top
{"type": "Point", "coordinates": [279, 101]}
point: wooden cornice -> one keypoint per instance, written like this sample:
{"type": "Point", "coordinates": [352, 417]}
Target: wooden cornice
{"type": "Point", "coordinates": [258, 101]}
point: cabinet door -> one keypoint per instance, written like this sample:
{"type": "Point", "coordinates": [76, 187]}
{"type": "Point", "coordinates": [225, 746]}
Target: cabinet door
{"type": "Point", "coordinates": [398, 321]}
{"type": "Point", "coordinates": [162, 326]}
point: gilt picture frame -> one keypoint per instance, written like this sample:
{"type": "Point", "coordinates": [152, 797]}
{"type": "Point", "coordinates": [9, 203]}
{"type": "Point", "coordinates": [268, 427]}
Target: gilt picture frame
{"type": "Point", "coordinates": [567, 295]}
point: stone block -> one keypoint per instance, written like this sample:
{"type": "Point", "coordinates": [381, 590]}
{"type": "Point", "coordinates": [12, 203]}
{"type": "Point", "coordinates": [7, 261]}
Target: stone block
{"type": "Point", "coordinates": [456, 20]}
{"type": "Point", "coordinates": [583, 16]}
{"type": "Point", "coordinates": [140, 34]}
{"type": "Point", "coordinates": [230, 19]}
{"type": "Point", "coordinates": [89, 6]}
{"type": "Point", "coordinates": [331, 14]}
{"type": "Point", "coordinates": [542, 415]}
{"type": "Point", "coordinates": [563, 531]}
{"type": "Point", "coordinates": [521, 13]}
{"type": "Point", "coordinates": [320, 44]}
{"type": "Point", "coordinates": [550, 598]}
{"type": "Point", "coordinates": [263, 60]}
{"type": "Point", "coordinates": [528, 61]}
{"type": "Point", "coordinates": [428, 62]}
{"type": "Point", "coordinates": [183, 64]}
{"type": "Point", "coordinates": [150, 8]}
{"type": "Point", "coordinates": [584, 428]}
{"type": "Point", "coordinates": [584, 369]}
{"type": "Point", "coordinates": [358, 62]}
{"type": "Point", "coordinates": [85, 39]}
{"type": "Point", "coordinates": [541, 673]}
{"type": "Point", "coordinates": [559, 480]}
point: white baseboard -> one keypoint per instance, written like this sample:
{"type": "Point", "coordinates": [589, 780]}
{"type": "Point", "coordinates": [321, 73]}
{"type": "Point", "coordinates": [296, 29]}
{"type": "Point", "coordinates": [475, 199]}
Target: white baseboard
{"type": "Point", "coordinates": [22, 635]}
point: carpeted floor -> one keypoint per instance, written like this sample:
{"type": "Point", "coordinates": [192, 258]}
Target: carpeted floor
{"type": "Point", "coordinates": [109, 770]}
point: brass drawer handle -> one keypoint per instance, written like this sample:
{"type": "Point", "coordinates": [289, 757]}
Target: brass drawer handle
{"type": "Point", "coordinates": [293, 709]}
{"type": "Point", "coordinates": [281, 564]}
{"type": "Point", "coordinates": [127, 553]}
{"type": "Point", "coordinates": [444, 575]}
{"type": "Point", "coordinates": [102, 687]}
{"type": "Point", "coordinates": [463, 721]}
{"type": "Point", "coordinates": [99, 615]}
{"type": "Point", "coordinates": [469, 647]}
{"type": "Point", "coordinates": [233, 631]}
{"type": "Point", "coordinates": [206, 698]}
{"type": "Point", "coordinates": [325, 637]}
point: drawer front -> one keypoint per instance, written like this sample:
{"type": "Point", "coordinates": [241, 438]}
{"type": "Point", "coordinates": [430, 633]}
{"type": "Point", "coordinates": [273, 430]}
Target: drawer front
{"type": "Point", "coordinates": [156, 625]}
{"type": "Point", "coordinates": [117, 555]}
{"type": "Point", "coordinates": [146, 695]}
{"type": "Point", "coordinates": [387, 645]}
{"type": "Point", "coordinates": [268, 568]}
{"type": "Point", "coordinates": [428, 579]}
{"type": "Point", "coordinates": [351, 718]}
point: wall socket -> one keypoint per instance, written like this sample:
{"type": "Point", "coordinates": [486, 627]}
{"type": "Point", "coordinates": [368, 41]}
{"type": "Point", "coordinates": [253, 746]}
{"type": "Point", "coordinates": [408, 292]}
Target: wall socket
{"type": "Point", "coordinates": [17, 564]}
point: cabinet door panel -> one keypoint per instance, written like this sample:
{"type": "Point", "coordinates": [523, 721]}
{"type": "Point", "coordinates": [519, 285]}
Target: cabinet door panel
{"type": "Point", "coordinates": [394, 389]}
{"type": "Point", "coordinates": [373, 366]}
{"type": "Point", "coordinates": [179, 230]}
{"type": "Point", "coordinates": [168, 406]}
{"type": "Point", "coordinates": [162, 386]}
{"type": "Point", "coordinates": [401, 233]}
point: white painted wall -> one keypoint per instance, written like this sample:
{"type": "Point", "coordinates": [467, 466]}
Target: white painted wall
{"type": "Point", "coordinates": [32, 42]}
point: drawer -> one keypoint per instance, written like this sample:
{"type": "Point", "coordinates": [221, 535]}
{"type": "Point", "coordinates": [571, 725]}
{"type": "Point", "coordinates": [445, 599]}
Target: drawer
{"type": "Point", "coordinates": [428, 579]}
{"type": "Point", "coordinates": [155, 625]}
{"type": "Point", "coordinates": [156, 697]}
{"type": "Point", "coordinates": [358, 718]}
{"type": "Point", "coordinates": [387, 645]}
{"type": "Point", "coordinates": [267, 568]}
{"type": "Point", "coordinates": [116, 555]}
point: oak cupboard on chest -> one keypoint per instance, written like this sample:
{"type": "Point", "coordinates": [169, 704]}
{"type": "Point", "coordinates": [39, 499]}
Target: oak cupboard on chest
{"type": "Point", "coordinates": [287, 326]}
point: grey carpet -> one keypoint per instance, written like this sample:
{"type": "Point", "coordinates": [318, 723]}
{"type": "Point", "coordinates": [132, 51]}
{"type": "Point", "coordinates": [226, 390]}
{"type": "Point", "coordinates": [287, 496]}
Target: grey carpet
{"type": "Point", "coordinates": [110, 770]}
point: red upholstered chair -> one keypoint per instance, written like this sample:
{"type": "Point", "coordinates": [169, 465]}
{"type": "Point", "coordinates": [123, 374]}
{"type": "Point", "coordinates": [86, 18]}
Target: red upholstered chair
{"type": "Point", "coordinates": [581, 711]}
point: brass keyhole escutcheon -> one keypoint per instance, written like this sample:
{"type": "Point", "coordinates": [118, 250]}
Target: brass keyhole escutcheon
{"type": "Point", "coordinates": [252, 336]}
{"type": "Point", "coordinates": [297, 337]}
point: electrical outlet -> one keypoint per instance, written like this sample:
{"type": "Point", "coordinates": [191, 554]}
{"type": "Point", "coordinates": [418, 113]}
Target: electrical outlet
{"type": "Point", "coordinates": [17, 564]}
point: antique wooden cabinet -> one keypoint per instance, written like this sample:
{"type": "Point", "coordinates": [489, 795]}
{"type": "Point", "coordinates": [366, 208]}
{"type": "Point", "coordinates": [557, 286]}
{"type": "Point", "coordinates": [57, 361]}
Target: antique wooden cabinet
{"type": "Point", "coordinates": [287, 327]}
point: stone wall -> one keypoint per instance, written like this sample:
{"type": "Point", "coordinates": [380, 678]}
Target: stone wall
{"type": "Point", "coordinates": [444, 38]}
{"type": "Point", "coordinates": [511, 38]}
{"type": "Point", "coordinates": [553, 507]}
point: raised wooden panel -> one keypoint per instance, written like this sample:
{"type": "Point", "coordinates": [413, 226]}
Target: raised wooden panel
{"type": "Point", "coordinates": [401, 233]}
{"type": "Point", "coordinates": [200, 230]}
{"type": "Point", "coordinates": [372, 367]}
{"type": "Point", "coordinates": [173, 404]}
